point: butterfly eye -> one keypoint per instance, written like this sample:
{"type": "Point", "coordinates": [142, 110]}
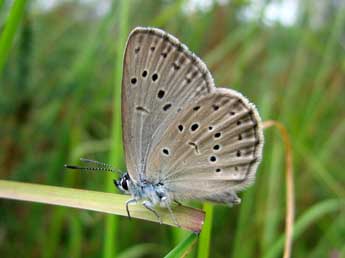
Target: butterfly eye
{"type": "Point", "coordinates": [124, 184]}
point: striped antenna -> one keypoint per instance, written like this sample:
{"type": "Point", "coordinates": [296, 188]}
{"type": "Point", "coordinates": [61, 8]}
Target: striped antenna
{"type": "Point", "coordinates": [101, 166]}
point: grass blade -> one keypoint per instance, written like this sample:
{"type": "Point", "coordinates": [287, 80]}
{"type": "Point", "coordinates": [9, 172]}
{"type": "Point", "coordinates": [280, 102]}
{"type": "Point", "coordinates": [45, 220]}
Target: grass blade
{"type": "Point", "coordinates": [290, 195]}
{"type": "Point", "coordinates": [184, 248]}
{"type": "Point", "coordinates": [307, 219]}
{"type": "Point", "coordinates": [189, 218]}
{"type": "Point", "coordinates": [205, 236]}
{"type": "Point", "coordinates": [11, 26]}
{"type": "Point", "coordinates": [116, 153]}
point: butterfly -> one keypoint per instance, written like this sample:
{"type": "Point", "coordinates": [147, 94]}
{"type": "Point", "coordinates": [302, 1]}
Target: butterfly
{"type": "Point", "coordinates": [184, 139]}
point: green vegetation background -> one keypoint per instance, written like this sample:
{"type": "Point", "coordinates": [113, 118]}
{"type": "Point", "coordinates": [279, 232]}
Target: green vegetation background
{"type": "Point", "coordinates": [60, 75]}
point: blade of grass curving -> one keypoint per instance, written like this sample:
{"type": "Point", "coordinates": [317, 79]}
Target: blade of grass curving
{"type": "Point", "coordinates": [188, 218]}
{"type": "Point", "coordinates": [184, 248]}
{"type": "Point", "coordinates": [290, 196]}
{"type": "Point", "coordinates": [116, 152]}
{"type": "Point", "coordinates": [205, 236]}
{"type": "Point", "coordinates": [11, 26]}
{"type": "Point", "coordinates": [308, 218]}
{"type": "Point", "coordinates": [336, 228]}
{"type": "Point", "coordinates": [272, 217]}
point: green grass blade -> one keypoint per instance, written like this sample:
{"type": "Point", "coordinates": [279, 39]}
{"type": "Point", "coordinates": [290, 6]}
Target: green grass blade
{"type": "Point", "coordinates": [116, 152]}
{"type": "Point", "coordinates": [243, 230]}
{"type": "Point", "coordinates": [308, 218]}
{"type": "Point", "coordinates": [11, 26]}
{"type": "Point", "coordinates": [1, 4]}
{"type": "Point", "coordinates": [184, 247]}
{"type": "Point", "coordinates": [334, 233]}
{"type": "Point", "coordinates": [188, 218]}
{"type": "Point", "coordinates": [205, 236]}
{"type": "Point", "coordinates": [272, 216]}
{"type": "Point", "coordinates": [75, 233]}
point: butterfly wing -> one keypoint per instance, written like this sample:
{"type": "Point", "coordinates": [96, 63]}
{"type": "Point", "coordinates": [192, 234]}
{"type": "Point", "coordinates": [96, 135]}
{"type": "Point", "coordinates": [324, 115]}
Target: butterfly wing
{"type": "Point", "coordinates": [210, 150]}
{"type": "Point", "coordinates": [160, 75]}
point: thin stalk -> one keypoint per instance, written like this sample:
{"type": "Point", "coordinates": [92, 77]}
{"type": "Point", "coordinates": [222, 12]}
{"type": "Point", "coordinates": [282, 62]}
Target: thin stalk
{"type": "Point", "coordinates": [242, 228]}
{"type": "Point", "coordinates": [290, 195]}
{"type": "Point", "coordinates": [116, 152]}
{"type": "Point", "coordinates": [11, 26]}
{"type": "Point", "coordinates": [272, 210]}
{"type": "Point", "coordinates": [184, 248]}
{"type": "Point", "coordinates": [205, 236]}
{"type": "Point", "coordinates": [75, 235]}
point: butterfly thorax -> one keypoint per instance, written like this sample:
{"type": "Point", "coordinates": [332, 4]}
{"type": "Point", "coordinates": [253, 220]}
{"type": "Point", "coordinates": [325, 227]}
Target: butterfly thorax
{"type": "Point", "coordinates": [144, 190]}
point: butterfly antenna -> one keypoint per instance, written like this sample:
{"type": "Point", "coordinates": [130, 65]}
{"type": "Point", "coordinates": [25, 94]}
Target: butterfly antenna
{"type": "Point", "coordinates": [90, 168]}
{"type": "Point", "coordinates": [102, 166]}
{"type": "Point", "coordinates": [96, 162]}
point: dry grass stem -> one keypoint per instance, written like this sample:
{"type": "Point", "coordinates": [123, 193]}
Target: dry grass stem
{"type": "Point", "coordinates": [290, 199]}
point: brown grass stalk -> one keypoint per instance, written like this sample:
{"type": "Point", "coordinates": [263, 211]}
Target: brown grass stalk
{"type": "Point", "coordinates": [290, 199]}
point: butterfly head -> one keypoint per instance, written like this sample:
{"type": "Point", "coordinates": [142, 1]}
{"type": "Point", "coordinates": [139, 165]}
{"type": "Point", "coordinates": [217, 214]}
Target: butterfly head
{"type": "Point", "coordinates": [123, 183]}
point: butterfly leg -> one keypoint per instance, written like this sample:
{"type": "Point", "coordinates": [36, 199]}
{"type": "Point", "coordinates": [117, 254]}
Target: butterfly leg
{"type": "Point", "coordinates": [166, 204]}
{"type": "Point", "coordinates": [148, 205]}
{"type": "Point", "coordinates": [127, 208]}
{"type": "Point", "coordinates": [233, 199]}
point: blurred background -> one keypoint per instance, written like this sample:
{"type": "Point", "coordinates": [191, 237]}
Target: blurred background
{"type": "Point", "coordinates": [59, 99]}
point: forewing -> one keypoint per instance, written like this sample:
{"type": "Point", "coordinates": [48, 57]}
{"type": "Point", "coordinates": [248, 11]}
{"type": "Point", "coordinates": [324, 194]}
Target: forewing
{"type": "Point", "coordinates": [160, 75]}
{"type": "Point", "coordinates": [210, 150]}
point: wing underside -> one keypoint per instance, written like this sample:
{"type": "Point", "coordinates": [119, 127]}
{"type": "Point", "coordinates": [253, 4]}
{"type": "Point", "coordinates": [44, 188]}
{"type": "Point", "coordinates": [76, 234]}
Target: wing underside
{"type": "Point", "coordinates": [160, 75]}
{"type": "Point", "coordinates": [210, 150]}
